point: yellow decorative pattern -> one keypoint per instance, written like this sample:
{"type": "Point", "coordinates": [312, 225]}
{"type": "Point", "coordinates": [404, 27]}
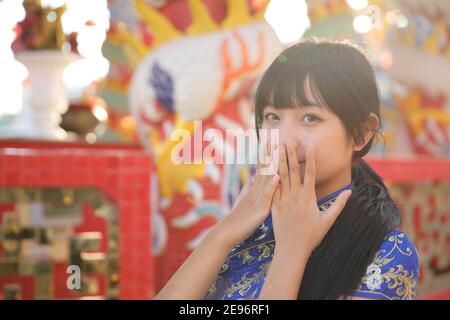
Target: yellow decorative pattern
{"type": "Point", "coordinates": [394, 271]}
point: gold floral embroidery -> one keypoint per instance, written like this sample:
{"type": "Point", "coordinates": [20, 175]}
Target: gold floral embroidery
{"type": "Point", "coordinates": [402, 282]}
{"type": "Point", "coordinates": [261, 246]}
{"type": "Point", "coordinates": [327, 204]}
{"type": "Point", "coordinates": [397, 239]}
{"type": "Point", "coordinates": [245, 256]}
{"type": "Point", "coordinates": [243, 285]}
{"type": "Point", "coordinates": [265, 251]}
{"type": "Point", "coordinates": [246, 283]}
{"type": "Point", "coordinates": [213, 289]}
{"type": "Point", "coordinates": [224, 267]}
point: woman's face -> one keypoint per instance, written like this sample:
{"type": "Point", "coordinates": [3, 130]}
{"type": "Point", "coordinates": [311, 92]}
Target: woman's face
{"type": "Point", "coordinates": [317, 125]}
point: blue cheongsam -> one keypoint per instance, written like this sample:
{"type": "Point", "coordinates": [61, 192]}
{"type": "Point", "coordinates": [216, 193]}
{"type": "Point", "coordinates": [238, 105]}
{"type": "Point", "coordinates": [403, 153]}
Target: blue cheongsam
{"type": "Point", "coordinates": [392, 274]}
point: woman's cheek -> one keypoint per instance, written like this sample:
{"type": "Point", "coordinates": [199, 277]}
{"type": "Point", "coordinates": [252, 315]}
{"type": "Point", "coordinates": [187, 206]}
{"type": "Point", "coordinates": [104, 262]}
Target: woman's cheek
{"type": "Point", "coordinates": [317, 165]}
{"type": "Point", "coordinates": [320, 165]}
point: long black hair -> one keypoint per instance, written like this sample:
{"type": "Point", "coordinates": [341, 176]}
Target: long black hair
{"type": "Point", "coordinates": [343, 80]}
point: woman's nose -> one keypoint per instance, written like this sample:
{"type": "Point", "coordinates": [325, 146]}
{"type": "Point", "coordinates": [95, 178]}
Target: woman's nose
{"type": "Point", "coordinates": [294, 141]}
{"type": "Point", "coordinates": [289, 137]}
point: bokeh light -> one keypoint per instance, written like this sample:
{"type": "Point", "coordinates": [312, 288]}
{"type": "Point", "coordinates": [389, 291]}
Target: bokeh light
{"type": "Point", "coordinates": [289, 19]}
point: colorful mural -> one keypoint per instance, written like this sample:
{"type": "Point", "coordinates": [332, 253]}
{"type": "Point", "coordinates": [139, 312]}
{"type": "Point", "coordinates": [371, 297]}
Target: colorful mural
{"type": "Point", "coordinates": [173, 76]}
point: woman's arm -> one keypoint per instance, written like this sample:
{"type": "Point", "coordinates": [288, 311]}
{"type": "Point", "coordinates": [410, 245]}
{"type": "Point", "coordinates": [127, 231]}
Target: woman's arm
{"type": "Point", "coordinates": [285, 274]}
{"type": "Point", "coordinates": [193, 279]}
{"type": "Point", "coordinates": [195, 276]}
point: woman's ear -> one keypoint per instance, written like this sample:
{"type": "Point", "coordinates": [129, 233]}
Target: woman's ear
{"type": "Point", "coordinates": [369, 129]}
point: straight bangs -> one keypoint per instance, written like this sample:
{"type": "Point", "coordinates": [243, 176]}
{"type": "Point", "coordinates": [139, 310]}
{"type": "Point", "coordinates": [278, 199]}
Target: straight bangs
{"type": "Point", "coordinates": [288, 85]}
{"type": "Point", "coordinates": [284, 87]}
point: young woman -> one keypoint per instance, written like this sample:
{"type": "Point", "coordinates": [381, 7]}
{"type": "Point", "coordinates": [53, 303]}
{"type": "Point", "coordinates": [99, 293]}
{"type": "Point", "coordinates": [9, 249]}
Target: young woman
{"type": "Point", "coordinates": [324, 226]}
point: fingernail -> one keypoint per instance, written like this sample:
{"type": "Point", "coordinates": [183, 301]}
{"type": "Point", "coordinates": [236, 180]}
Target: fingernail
{"type": "Point", "coordinates": [275, 180]}
{"type": "Point", "coordinates": [291, 143]}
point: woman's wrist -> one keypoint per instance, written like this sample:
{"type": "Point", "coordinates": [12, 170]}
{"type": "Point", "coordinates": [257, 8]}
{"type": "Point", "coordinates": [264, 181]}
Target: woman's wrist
{"type": "Point", "coordinates": [285, 273]}
{"type": "Point", "coordinates": [235, 227]}
{"type": "Point", "coordinates": [220, 237]}
{"type": "Point", "coordinates": [292, 250]}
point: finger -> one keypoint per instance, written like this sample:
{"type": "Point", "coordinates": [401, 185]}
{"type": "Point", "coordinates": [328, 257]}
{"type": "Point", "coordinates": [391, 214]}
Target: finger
{"type": "Point", "coordinates": [263, 166]}
{"type": "Point", "coordinates": [284, 170]}
{"type": "Point", "coordinates": [333, 212]}
{"type": "Point", "coordinates": [309, 181]}
{"type": "Point", "coordinates": [274, 161]}
{"type": "Point", "coordinates": [248, 182]}
{"type": "Point", "coordinates": [277, 194]}
{"type": "Point", "coordinates": [294, 168]}
{"type": "Point", "coordinates": [274, 140]}
{"type": "Point", "coordinates": [259, 166]}
{"type": "Point", "coordinates": [270, 188]}
{"type": "Point", "coordinates": [263, 156]}
{"type": "Point", "coordinates": [270, 169]}
{"type": "Point", "coordinates": [258, 169]}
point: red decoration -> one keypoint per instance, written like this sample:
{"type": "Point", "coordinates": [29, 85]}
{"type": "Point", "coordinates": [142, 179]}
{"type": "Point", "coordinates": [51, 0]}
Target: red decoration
{"type": "Point", "coordinates": [122, 175]}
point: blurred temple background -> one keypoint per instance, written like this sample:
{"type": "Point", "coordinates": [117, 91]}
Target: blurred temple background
{"type": "Point", "coordinates": [91, 205]}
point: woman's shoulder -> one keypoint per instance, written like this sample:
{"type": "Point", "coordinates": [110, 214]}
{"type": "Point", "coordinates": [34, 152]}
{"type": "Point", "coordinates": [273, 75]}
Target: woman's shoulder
{"type": "Point", "coordinates": [394, 272]}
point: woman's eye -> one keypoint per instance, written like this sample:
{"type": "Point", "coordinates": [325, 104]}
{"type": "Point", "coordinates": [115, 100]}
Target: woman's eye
{"type": "Point", "coordinates": [310, 118]}
{"type": "Point", "coordinates": [270, 117]}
